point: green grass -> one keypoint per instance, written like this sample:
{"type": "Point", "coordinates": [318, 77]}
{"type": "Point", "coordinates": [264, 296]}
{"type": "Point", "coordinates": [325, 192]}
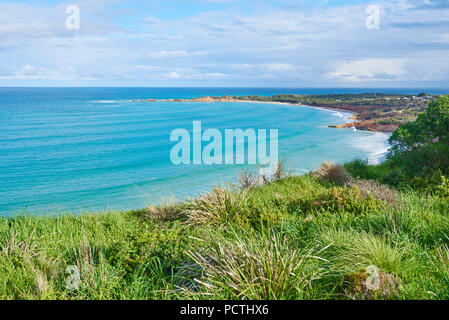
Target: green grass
{"type": "Point", "coordinates": [296, 238]}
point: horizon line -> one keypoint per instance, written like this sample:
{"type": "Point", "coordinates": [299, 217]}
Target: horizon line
{"type": "Point", "coordinates": [228, 87]}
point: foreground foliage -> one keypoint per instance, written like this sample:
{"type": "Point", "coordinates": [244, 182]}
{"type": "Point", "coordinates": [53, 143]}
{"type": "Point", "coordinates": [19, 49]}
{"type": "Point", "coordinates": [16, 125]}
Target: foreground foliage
{"type": "Point", "coordinates": [296, 238]}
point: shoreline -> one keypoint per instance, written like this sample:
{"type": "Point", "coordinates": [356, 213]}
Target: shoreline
{"type": "Point", "coordinates": [358, 121]}
{"type": "Point", "coordinates": [144, 113]}
{"type": "Point", "coordinates": [352, 113]}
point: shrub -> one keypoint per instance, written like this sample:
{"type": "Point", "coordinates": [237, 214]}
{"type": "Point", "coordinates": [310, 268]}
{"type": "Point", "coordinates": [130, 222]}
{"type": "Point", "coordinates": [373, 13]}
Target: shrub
{"type": "Point", "coordinates": [222, 205]}
{"type": "Point", "coordinates": [443, 189]}
{"type": "Point", "coordinates": [332, 173]}
{"type": "Point", "coordinates": [435, 183]}
{"type": "Point", "coordinates": [422, 147]}
{"type": "Point", "coordinates": [359, 168]}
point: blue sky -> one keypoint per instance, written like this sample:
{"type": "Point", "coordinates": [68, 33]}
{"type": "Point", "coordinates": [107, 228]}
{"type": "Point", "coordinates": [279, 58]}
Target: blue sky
{"type": "Point", "coordinates": [266, 43]}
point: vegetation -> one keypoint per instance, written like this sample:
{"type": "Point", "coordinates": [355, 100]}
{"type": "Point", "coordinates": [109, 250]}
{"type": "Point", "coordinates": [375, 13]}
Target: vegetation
{"type": "Point", "coordinates": [422, 146]}
{"type": "Point", "coordinates": [296, 238]}
{"type": "Point", "coordinates": [374, 111]}
{"type": "Point", "coordinates": [419, 157]}
{"type": "Point", "coordinates": [324, 235]}
{"type": "Point", "coordinates": [330, 172]}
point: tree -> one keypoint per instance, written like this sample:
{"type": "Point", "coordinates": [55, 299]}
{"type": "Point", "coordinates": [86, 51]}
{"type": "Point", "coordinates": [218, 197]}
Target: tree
{"type": "Point", "coordinates": [422, 147]}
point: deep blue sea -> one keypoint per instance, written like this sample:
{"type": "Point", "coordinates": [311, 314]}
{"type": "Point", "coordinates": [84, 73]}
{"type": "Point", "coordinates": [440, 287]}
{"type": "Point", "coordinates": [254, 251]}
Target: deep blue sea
{"type": "Point", "coordinates": [85, 149]}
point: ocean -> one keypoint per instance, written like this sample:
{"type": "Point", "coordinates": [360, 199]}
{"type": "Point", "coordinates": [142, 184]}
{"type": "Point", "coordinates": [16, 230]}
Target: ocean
{"type": "Point", "coordinates": [94, 149]}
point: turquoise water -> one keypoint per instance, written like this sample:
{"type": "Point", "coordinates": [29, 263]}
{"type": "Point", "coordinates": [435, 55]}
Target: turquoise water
{"type": "Point", "coordinates": [83, 149]}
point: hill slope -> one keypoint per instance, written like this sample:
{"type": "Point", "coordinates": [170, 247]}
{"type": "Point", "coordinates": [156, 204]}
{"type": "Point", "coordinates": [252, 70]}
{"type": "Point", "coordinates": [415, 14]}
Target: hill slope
{"type": "Point", "coordinates": [295, 238]}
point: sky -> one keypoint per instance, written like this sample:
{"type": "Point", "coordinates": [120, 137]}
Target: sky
{"type": "Point", "coordinates": [226, 43]}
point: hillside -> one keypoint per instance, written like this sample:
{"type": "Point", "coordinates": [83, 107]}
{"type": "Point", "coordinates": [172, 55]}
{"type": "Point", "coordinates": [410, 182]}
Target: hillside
{"type": "Point", "coordinates": [294, 238]}
{"type": "Point", "coordinates": [373, 111]}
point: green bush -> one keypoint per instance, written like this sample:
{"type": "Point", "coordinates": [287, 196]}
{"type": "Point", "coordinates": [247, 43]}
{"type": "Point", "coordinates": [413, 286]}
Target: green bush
{"type": "Point", "coordinates": [422, 147]}
{"type": "Point", "coordinates": [443, 189]}
{"type": "Point", "coordinates": [338, 199]}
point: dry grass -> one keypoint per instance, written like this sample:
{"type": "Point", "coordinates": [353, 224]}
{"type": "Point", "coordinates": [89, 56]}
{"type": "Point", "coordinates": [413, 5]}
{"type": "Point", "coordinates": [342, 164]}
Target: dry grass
{"type": "Point", "coordinates": [168, 211]}
{"type": "Point", "coordinates": [42, 285]}
{"type": "Point", "coordinates": [42, 267]}
{"type": "Point", "coordinates": [250, 179]}
{"type": "Point", "coordinates": [376, 190]}
{"type": "Point", "coordinates": [278, 174]}
{"type": "Point", "coordinates": [281, 171]}
{"type": "Point", "coordinates": [332, 173]}
{"type": "Point", "coordinates": [247, 179]}
{"type": "Point", "coordinates": [219, 206]}
{"type": "Point", "coordinates": [85, 262]}
{"type": "Point", "coordinates": [22, 249]}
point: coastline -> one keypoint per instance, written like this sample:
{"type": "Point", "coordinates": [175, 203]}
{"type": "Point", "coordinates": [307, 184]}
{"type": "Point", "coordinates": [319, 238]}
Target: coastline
{"type": "Point", "coordinates": [131, 162]}
{"type": "Point", "coordinates": [376, 157]}
{"type": "Point", "coordinates": [358, 122]}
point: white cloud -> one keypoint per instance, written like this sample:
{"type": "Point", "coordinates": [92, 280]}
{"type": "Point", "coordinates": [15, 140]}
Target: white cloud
{"type": "Point", "coordinates": [368, 70]}
{"type": "Point", "coordinates": [280, 67]}
{"type": "Point", "coordinates": [25, 21]}
{"type": "Point", "coordinates": [151, 20]}
{"type": "Point", "coordinates": [173, 75]}
{"type": "Point", "coordinates": [273, 45]}
{"type": "Point", "coordinates": [215, 74]}
{"type": "Point", "coordinates": [30, 72]}
{"type": "Point", "coordinates": [276, 67]}
{"type": "Point", "coordinates": [175, 53]}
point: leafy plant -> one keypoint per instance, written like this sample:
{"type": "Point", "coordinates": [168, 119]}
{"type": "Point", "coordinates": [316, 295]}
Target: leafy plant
{"type": "Point", "coordinates": [422, 147]}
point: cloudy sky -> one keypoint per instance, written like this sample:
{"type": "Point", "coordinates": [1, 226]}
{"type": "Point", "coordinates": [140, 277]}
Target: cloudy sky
{"type": "Point", "coordinates": [283, 43]}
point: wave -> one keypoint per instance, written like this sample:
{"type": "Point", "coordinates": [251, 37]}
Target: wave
{"type": "Point", "coordinates": [375, 145]}
{"type": "Point", "coordinates": [110, 101]}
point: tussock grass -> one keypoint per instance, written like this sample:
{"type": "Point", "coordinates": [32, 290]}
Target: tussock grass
{"type": "Point", "coordinates": [245, 267]}
{"type": "Point", "coordinates": [239, 243]}
{"type": "Point", "coordinates": [168, 211]}
{"type": "Point", "coordinates": [353, 251]}
{"type": "Point", "coordinates": [222, 205]}
{"type": "Point", "coordinates": [332, 173]}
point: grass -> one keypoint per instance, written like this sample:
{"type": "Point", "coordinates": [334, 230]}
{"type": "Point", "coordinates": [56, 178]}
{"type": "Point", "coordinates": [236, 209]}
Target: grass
{"type": "Point", "coordinates": [222, 205]}
{"type": "Point", "coordinates": [255, 266]}
{"type": "Point", "coordinates": [296, 237]}
{"type": "Point", "coordinates": [333, 173]}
